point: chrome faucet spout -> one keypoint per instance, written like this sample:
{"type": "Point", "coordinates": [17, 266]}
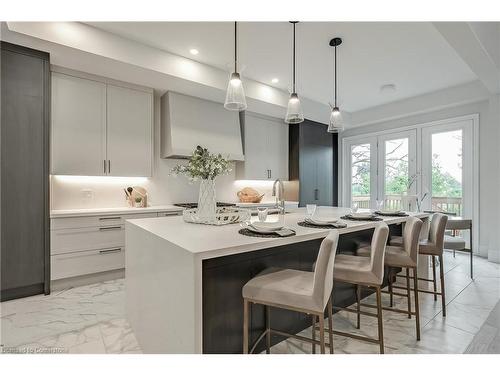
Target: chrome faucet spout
{"type": "Point", "coordinates": [280, 200]}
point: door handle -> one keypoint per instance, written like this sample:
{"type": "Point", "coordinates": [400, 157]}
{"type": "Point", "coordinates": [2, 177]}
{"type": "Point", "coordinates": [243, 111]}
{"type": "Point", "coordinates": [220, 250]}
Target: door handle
{"type": "Point", "coordinates": [109, 228]}
{"type": "Point", "coordinates": [107, 251]}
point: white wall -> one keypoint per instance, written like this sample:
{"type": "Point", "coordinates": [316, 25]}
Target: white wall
{"type": "Point", "coordinates": [69, 191]}
{"type": "Point", "coordinates": [489, 158]}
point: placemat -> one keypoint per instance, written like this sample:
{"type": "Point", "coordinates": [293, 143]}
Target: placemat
{"type": "Point", "coordinates": [374, 218]}
{"type": "Point", "coordinates": [399, 214]}
{"type": "Point", "coordinates": [330, 226]}
{"type": "Point", "coordinates": [249, 233]}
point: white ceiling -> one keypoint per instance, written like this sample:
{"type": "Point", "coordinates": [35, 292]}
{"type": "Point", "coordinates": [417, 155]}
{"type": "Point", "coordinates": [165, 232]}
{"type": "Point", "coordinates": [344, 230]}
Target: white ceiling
{"type": "Point", "coordinates": [413, 56]}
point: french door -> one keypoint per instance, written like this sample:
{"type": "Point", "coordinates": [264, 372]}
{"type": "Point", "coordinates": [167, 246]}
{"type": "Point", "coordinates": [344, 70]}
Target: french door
{"type": "Point", "coordinates": [381, 168]}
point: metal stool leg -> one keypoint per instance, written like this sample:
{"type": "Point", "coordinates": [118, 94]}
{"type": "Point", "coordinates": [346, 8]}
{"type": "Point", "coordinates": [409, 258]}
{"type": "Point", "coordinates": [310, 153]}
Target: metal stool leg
{"type": "Point", "coordinates": [330, 324]}
{"type": "Point", "coordinates": [417, 308]}
{"type": "Point", "coordinates": [245, 326]}
{"type": "Point", "coordinates": [268, 329]}
{"type": "Point", "coordinates": [358, 307]}
{"type": "Point", "coordinates": [391, 301]}
{"type": "Point", "coordinates": [313, 317]}
{"type": "Point", "coordinates": [471, 254]}
{"type": "Point", "coordinates": [434, 276]}
{"type": "Point", "coordinates": [408, 291]}
{"type": "Point", "coordinates": [380, 321]}
{"type": "Point", "coordinates": [441, 275]}
{"type": "Point", "coordinates": [322, 333]}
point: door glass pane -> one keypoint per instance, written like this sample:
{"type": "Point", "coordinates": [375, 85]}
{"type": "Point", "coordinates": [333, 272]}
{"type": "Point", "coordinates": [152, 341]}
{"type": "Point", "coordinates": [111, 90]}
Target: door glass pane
{"type": "Point", "coordinates": [447, 171]}
{"type": "Point", "coordinates": [397, 179]}
{"type": "Point", "coordinates": [360, 174]}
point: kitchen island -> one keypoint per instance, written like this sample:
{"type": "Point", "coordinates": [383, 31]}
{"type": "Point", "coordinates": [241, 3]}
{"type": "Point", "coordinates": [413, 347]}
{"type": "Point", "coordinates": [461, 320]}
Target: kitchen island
{"type": "Point", "coordinates": [183, 281]}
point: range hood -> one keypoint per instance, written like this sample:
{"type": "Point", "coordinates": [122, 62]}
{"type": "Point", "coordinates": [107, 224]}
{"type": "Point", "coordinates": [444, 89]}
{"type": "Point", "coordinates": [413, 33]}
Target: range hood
{"type": "Point", "coordinates": [187, 122]}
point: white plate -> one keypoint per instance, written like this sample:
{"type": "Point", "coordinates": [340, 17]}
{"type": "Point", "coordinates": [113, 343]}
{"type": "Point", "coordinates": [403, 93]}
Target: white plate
{"type": "Point", "coordinates": [389, 212]}
{"type": "Point", "coordinates": [320, 221]}
{"type": "Point", "coordinates": [265, 225]}
{"type": "Point", "coordinates": [362, 215]}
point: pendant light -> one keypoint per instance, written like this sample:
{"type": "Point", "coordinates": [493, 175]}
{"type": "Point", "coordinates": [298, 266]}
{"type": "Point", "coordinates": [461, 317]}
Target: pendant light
{"type": "Point", "coordinates": [294, 114]}
{"type": "Point", "coordinates": [336, 124]}
{"type": "Point", "coordinates": [235, 95]}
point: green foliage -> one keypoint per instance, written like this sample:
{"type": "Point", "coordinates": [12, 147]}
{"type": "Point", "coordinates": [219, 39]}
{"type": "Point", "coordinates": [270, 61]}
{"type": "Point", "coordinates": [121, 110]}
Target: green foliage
{"type": "Point", "coordinates": [444, 184]}
{"type": "Point", "coordinates": [202, 165]}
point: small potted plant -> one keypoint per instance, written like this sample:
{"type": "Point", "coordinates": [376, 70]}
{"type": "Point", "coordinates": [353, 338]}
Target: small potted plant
{"type": "Point", "coordinates": [205, 167]}
{"type": "Point", "coordinates": [138, 202]}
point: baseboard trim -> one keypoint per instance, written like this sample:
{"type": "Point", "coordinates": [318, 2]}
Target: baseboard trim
{"type": "Point", "coordinates": [72, 282]}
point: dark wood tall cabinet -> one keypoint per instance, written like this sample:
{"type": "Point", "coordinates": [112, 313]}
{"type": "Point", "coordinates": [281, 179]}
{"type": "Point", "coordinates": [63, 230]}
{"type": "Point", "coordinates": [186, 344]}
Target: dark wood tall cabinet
{"type": "Point", "coordinates": [313, 163]}
{"type": "Point", "coordinates": [25, 113]}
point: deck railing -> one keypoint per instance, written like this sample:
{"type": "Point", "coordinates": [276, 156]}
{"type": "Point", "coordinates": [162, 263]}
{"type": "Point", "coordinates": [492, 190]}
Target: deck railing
{"type": "Point", "coordinates": [446, 204]}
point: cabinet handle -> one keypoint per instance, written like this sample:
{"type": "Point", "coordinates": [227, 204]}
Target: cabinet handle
{"type": "Point", "coordinates": [270, 173]}
{"type": "Point", "coordinates": [107, 251]}
{"type": "Point", "coordinates": [316, 194]}
{"type": "Point", "coordinates": [104, 166]}
{"type": "Point", "coordinates": [110, 218]}
{"type": "Point", "coordinates": [169, 213]}
{"type": "Point", "coordinates": [109, 228]}
{"type": "Point", "coordinates": [109, 166]}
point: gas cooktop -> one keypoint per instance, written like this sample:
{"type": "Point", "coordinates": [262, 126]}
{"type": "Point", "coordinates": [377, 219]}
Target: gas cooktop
{"type": "Point", "coordinates": [195, 205]}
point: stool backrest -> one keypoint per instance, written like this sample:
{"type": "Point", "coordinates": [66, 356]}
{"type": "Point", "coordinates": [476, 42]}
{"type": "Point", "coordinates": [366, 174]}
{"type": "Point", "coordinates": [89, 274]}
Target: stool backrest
{"type": "Point", "coordinates": [411, 236]}
{"type": "Point", "coordinates": [379, 240]}
{"type": "Point", "coordinates": [323, 273]}
{"type": "Point", "coordinates": [437, 228]}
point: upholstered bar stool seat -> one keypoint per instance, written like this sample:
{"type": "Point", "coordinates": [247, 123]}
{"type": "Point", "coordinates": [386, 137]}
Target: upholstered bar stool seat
{"type": "Point", "coordinates": [283, 287]}
{"type": "Point", "coordinates": [426, 247]}
{"type": "Point", "coordinates": [404, 256]}
{"type": "Point", "coordinates": [394, 255]}
{"type": "Point", "coordinates": [295, 290]}
{"type": "Point", "coordinates": [355, 270]}
{"type": "Point", "coordinates": [454, 243]}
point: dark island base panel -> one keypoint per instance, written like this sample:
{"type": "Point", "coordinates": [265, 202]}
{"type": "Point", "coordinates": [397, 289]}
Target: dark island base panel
{"type": "Point", "coordinates": [224, 277]}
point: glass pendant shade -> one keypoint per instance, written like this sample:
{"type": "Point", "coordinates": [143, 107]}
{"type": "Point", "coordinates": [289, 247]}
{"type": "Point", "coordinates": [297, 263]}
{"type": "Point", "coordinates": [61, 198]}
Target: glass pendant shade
{"type": "Point", "coordinates": [294, 114]}
{"type": "Point", "coordinates": [235, 94]}
{"type": "Point", "coordinates": [336, 124]}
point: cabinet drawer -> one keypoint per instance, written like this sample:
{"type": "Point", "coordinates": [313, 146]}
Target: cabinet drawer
{"type": "Point", "coordinates": [94, 221]}
{"type": "Point", "coordinates": [72, 240]}
{"type": "Point", "coordinates": [86, 262]}
{"type": "Point", "coordinates": [169, 213]}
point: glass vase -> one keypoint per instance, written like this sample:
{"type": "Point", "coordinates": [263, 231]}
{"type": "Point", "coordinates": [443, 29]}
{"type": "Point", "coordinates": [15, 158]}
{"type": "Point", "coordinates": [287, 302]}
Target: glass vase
{"type": "Point", "coordinates": [207, 204]}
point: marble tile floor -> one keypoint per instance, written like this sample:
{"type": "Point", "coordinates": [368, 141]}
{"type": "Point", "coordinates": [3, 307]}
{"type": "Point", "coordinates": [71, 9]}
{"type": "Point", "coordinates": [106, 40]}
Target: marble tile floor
{"type": "Point", "coordinates": [91, 319]}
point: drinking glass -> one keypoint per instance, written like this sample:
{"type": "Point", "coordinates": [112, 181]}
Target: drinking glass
{"type": "Point", "coordinates": [354, 207]}
{"type": "Point", "coordinates": [311, 209]}
{"type": "Point", "coordinates": [380, 204]}
{"type": "Point", "coordinates": [262, 213]}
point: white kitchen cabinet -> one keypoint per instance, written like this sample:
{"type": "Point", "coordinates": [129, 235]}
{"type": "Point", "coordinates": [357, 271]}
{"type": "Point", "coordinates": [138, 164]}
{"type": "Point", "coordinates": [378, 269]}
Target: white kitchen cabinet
{"type": "Point", "coordinates": [100, 127]}
{"type": "Point", "coordinates": [78, 126]}
{"type": "Point", "coordinates": [266, 149]}
{"type": "Point", "coordinates": [129, 131]}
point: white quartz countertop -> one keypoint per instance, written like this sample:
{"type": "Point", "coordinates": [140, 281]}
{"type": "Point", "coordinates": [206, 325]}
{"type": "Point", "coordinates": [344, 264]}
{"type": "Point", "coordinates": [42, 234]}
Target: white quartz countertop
{"type": "Point", "coordinates": [112, 210]}
{"type": "Point", "coordinates": [207, 241]}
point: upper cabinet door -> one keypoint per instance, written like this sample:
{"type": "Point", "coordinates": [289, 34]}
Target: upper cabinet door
{"type": "Point", "coordinates": [266, 149]}
{"type": "Point", "coordinates": [277, 149]}
{"type": "Point", "coordinates": [78, 126]}
{"type": "Point", "coordinates": [129, 131]}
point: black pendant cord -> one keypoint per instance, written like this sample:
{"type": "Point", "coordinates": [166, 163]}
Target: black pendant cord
{"type": "Point", "coordinates": [235, 47]}
{"type": "Point", "coordinates": [335, 77]}
{"type": "Point", "coordinates": [293, 78]}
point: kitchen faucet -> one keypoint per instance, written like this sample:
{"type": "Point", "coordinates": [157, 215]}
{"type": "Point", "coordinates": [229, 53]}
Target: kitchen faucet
{"type": "Point", "coordinates": [280, 200]}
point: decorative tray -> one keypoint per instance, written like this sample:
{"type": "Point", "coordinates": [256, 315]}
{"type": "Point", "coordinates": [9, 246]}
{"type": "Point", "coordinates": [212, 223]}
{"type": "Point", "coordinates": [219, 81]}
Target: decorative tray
{"type": "Point", "coordinates": [223, 216]}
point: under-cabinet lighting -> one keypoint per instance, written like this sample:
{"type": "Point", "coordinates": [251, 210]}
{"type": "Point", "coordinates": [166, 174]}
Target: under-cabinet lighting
{"type": "Point", "coordinates": [109, 180]}
{"type": "Point", "coordinates": [194, 51]}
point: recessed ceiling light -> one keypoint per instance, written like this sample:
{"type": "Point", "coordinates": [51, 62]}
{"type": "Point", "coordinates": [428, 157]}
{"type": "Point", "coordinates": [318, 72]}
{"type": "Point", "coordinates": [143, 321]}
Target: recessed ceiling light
{"type": "Point", "coordinates": [275, 80]}
{"type": "Point", "coordinates": [194, 51]}
{"type": "Point", "coordinates": [388, 88]}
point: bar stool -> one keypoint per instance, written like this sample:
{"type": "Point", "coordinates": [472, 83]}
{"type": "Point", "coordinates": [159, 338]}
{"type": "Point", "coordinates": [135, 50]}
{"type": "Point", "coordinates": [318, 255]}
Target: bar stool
{"type": "Point", "coordinates": [433, 247]}
{"type": "Point", "coordinates": [301, 291]}
{"type": "Point", "coordinates": [364, 272]}
{"type": "Point", "coordinates": [405, 256]}
{"type": "Point", "coordinates": [458, 243]}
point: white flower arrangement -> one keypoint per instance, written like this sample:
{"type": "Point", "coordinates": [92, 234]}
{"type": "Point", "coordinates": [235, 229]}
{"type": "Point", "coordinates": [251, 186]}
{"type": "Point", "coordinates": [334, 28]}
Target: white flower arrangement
{"type": "Point", "coordinates": [202, 165]}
